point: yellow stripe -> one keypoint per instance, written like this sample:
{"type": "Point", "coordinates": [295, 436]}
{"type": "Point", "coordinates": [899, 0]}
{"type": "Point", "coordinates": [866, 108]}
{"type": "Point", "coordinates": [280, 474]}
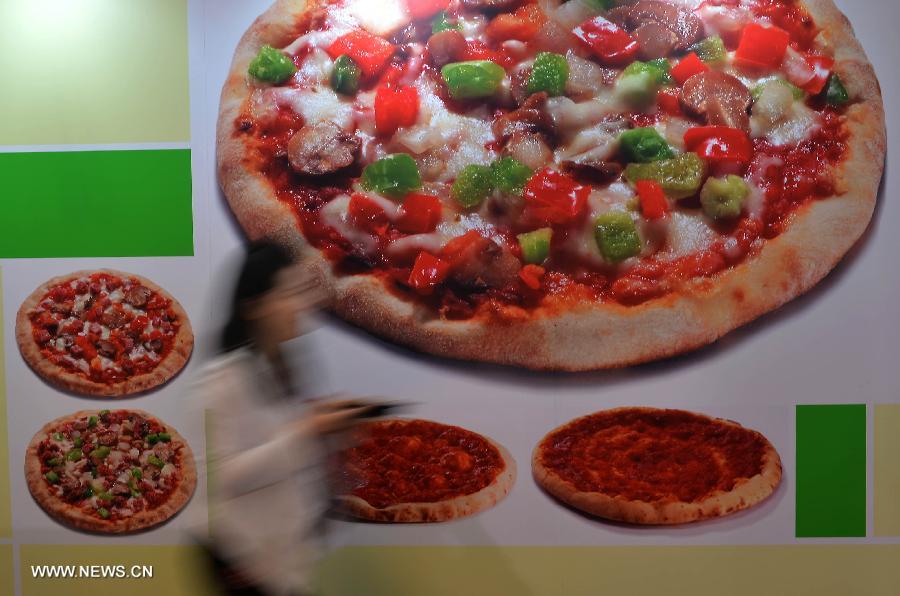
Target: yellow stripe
{"type": "Point", "coordinates": [177, 570]}
{"type": "Point", "coordinates": [887, 470]}
{"type": "Point", "coordinates": [5, 492]}
{"type": "Point", "coordinates": [94, 72]}
{"type": "Point", "coordinates": [7, 579]}
{"type": "Point", "coordinates": [841, 570]}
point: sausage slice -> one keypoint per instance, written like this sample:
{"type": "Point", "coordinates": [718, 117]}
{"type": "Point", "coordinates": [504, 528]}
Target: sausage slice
{"type": "Point", "coordinates": [322, 148]}
{"type": "Point", "coordinates": [720, 98]}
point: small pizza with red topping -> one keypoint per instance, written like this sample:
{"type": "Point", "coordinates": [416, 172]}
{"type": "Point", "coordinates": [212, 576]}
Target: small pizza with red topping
{"type": "Point", "coordinates": [104, 333]}
{"type": "Point", "coordinates": [554, 184]}
{"type": "Point", "coordinates": [110, 471]}
{"type": "Point", "coordinates": [655, 467]}
{"type": "Point", "coordinates": [421, 471]}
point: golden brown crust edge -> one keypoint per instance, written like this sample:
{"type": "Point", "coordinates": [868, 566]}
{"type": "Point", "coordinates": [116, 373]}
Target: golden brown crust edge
{"type": "Point", "coordinates": [747, 493]}
{"type": "Point", "coordinates": [174, 362]}
{"type": "Point", "coordinates": [439, 511]}
{"type": "Point", "coordinates": [595, 336]}
{"type": "Point", "coordinates": [142, 520]}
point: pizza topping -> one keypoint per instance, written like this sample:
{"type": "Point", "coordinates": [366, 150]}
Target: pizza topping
{"type": "Point", "coordinates": [723, 198]}
{"type": "Point", "coordinates": [653, 455]}
{"type": "Point", "coordinates": [710, 50]}
{"type": "Point", "coordinates": [612, 45]}
{"type": "Point", "coordinates": [393, 176]}
{"type": "Point", "coordinates": [104, 328]}
{"type": "Point", "coordinates": [680, 177]}
{"type": "Point", "coordinates": [416, 461]}
{"type": "Point", "coordinates": [106, 466]}
{"type": "Point", "coordinates": [272, 66]}
{"type": "Point", "coordinates": [549, 74]}
{"type": "Point", "coordinates": [644, 145]}
{"type": "Point", "coordinates": [662, 19]}
{"type": "Point", "coordinates": [345, 75]}
{"type": "Point", "coordinates": [617, 236]}
{"type": "Point", "coordinates": [443, 22]}
{"type": "Point", "coordinates": [473, 79]}
{"type": "Point", "coordinates": [535, 245]}
{"type": "Point", "coordinates": [446, 46]}
{"type": "Point", "coordinates": [835, 93]}
{"type": "Point", "coordinates": [370, 52]}
{"type": "Point", "coordinates": [720, 98]}
{"type": "Point", "coordinates": [762, 47]}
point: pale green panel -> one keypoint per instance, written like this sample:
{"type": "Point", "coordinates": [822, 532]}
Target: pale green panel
{"type": "Point", "coordinates": [94, 71]}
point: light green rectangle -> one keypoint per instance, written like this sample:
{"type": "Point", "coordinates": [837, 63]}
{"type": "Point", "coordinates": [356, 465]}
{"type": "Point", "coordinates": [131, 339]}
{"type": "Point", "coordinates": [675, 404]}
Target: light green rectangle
{"type": "Point", "coordinates": [96, 204]}
{"type": "Point", "coordinates": [94, 72]}
{"type": "Point", "coordinates": [5, 491]}
{"type": "Point", "coordinates": [807, 570]}
{"type": "Point", "coordinates": [887, 470]}
{"type": "Point", "coordinates": [176, 570]}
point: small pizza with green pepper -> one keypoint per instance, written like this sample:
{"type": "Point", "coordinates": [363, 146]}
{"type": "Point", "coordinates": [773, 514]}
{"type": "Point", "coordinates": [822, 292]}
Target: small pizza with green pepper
{"type": "Point", "coordinates": [104, 333]}
{"type": "Point", "coordinates": [555, 184]}
{"type": "Point", "coordinates": [110, 471]}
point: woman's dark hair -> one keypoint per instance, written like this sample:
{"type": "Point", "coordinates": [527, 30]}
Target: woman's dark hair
{"type": "Point", "coordinates": [258, 275]}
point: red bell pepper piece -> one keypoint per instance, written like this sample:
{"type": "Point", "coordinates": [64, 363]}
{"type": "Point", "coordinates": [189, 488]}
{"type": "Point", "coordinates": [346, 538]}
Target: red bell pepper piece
{"type": "Point", "coordinates": [554, 198]}
{"type": "Point", "coordinates": [822, 67]}
{"type": "Point", "coordinates": [457, 248]}
{"type": "Point", "coordinates": [87, 347]}
{"type": "Point", "coordinates": [395, 106]}
{"type": "Point", "coordinates": [762, 46]}
{"type": "Point", "coordinates": [427, 273]}
{"type": "Point", "coordinates": [689, 66]}
{"type": "Point", "coordinates": [419, 214]}
{"type": "Point", "coordinates": [607, 41]}
{"type": "Point", "coordinates": [423, 9]}
{"type": "Point", "coordinates": [522, 25]}
{"type": "Point", "coordinates": [366, 214]}
{"type": "Point", "coordinates": [531, 276]}
{"type": "Point", "coordinates": [720, 144]}
{"type": "Point", "coordinates": [478, 50]}
{"type": "Point", "coordinates": [370, 52]}
{"type": "Point", "coordinates": [669, 101]}
{"type": "Point", "coordinates": [654, 204]}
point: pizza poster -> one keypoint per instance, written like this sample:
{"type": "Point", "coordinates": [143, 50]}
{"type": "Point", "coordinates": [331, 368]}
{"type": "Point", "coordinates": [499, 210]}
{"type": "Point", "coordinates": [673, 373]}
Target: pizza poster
{"type": "Point", "coordinates": [117, 242]}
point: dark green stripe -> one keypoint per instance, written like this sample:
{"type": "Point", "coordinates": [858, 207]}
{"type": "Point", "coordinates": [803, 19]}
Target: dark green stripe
{"type": "Point", "coordinates": [96, 204]}
{"type": "Point", "coordinates": [831, 471]}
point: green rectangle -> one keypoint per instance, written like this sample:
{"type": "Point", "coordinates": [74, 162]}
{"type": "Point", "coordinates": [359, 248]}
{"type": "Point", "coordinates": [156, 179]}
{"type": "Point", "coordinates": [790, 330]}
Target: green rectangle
{"type": "Point", "coordinates": [96, 204]}
{"type": "Point", "coordinates": [831, 471]}
{"type": "Point", "coordinates": [94, 72]}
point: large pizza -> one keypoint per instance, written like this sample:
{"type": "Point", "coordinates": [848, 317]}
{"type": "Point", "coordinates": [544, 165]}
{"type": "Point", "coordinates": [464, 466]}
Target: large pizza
{"type": "Point", "coordinates": [406, 471]}
{"type": "Point", "coordinates": [556, 185]}
{"type": "Point", "coordinates": [104, 333]}
{"type": "Point", "coordinates": [110, 471]}
{"type": "Point", "coordinates": [654, 467]}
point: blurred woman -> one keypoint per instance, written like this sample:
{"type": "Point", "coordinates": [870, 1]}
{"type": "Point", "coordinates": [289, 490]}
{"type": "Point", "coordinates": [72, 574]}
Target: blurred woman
{"type": "Point", "coordinates": [268, 486]}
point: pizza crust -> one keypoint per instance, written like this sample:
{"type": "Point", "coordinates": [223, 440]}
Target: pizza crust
{"type": "Point", "coordinates": [171, 365]}
{"type": "Point", "coordinates": [438, 511]}
{"type": "Point", "coordinates": [577, 337]}
{"type": "Point", "coordinates": [746, 493]}
{"type": "Point", "coordinates": [76, 518]}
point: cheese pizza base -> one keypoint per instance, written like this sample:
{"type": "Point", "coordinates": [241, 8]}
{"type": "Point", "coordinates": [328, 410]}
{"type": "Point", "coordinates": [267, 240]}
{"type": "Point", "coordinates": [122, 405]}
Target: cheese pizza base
{"type": "Point", "coordinates": [74, 517]}
{"type": "Point", "coordinates": [170, 366]}
{"type": "Point", "coordinates": [746, 493]}
{"type": "Point", "coordinates": [577, 336]}
{"type": "Point", "coordinates": [438, 511]}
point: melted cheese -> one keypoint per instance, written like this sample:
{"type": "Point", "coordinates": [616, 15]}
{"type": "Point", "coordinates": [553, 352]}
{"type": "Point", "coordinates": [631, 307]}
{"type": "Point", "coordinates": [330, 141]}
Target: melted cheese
{"type": "Point", "coordinates": [383, 18]}
{"type": "Point", "coordinates": [319, 104]}
{"type": "Point", "coordinates": [334, 214]}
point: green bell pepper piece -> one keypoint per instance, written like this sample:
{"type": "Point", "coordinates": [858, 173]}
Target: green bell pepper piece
{"type": "Point", "coordinates": [74, 455]}
{"type": "Point", "coordinates": [473, 79]}
{"type": "Point", "coordinates": [644, 145]}
{"type": "Point", "coordinates": [136, 472]}
{"type": "Point", "coordinates": [680, 177]}
{"type": "Point", "coordinates": [723, 198]}
{"type": "Point", "coordinates": [79, 442]}
{"type": "Point", "coordinates": [345, 76]}
{"type": "Point", "coordinates": [103, 512]}
{"type": "Point", "coordinates": [164, 437]}
{"type": "Point", "coordinates": [156, 461]}
{"type": "Point", "coordinates": [104, 413]}
{"type": "Point", "coordinates": [53, 462]}
{"type": "Point", "coordinates": [510, 176]}
{"type": "Point", "coordinates": [152, 438]}
{"type": "Point", "coordinates": [105, 496]}
{"type": "Point", "coordinates": [600, 4]}
{"type": "Point", "coordinates": [835, 92]}
{"type": "Point", "coordinates": [58, 437]}
{"type": "Point", "coordinates": [473, 185]}
{"type": "Point", "coordinates": [535, 245]}
{"type": "Point", "coordinates": [617, 236]}
{"type": "Point", "coordinates": [272, 66]}
{"type": "Point", "coordinates": [52, 477]}
{"type": "Point", "coordinates": [92, 422]}
{"type": "Point", "coordinates": [711, 49]}
{"type": "Point", "coordinates": [394, 176]}
{"type": "Point", "coordinates": [101, 452]}
{"type": "Point", "coordinates": [442, 22]}
{"type": "Point", "coordinates": [549, 73]}
{"type": "Point", "coordinates": [640, 81]}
